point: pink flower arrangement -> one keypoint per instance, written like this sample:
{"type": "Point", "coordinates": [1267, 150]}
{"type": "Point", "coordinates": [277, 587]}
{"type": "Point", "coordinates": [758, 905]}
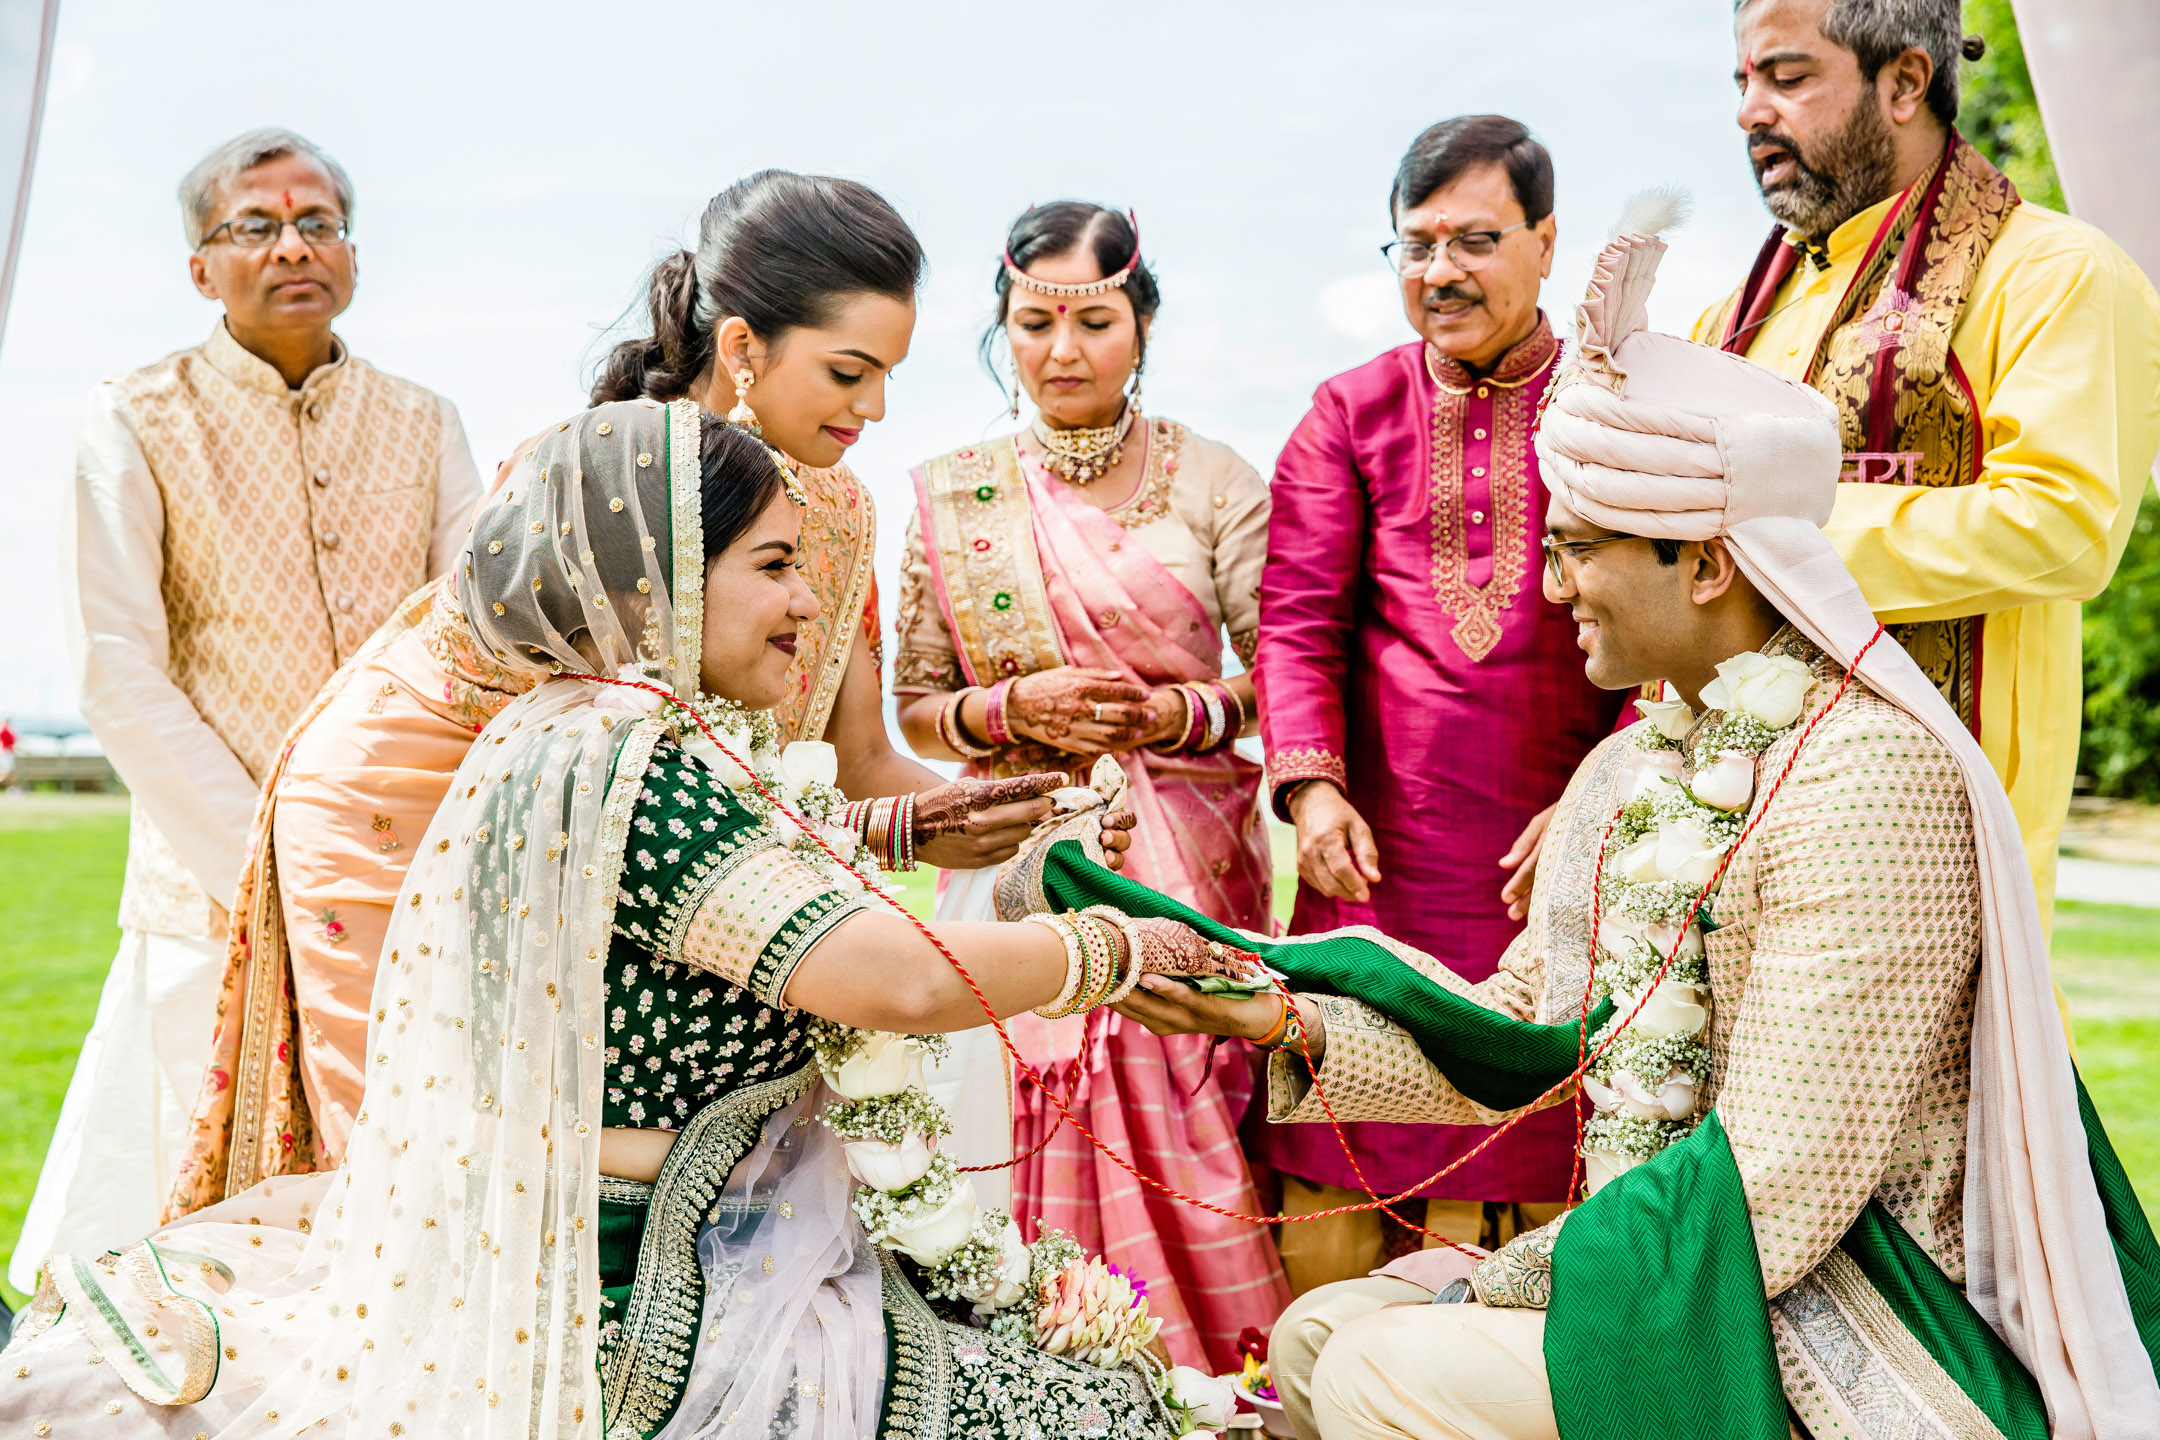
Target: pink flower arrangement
{"type": "Point", "coordinates": [1094, 1313]}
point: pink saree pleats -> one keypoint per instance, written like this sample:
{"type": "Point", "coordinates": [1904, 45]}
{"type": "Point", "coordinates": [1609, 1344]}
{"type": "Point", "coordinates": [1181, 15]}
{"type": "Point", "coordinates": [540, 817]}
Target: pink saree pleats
{"type": "Point", "coordinates": [1200, 839]}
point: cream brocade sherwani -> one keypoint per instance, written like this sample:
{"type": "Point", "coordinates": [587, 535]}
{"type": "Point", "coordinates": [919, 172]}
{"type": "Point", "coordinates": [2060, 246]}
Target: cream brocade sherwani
{"type": "Point", "coordinates": [2059, 339]}
{"type": "Point", "coordinates": [228, 542]}
{"type": "Point", "coordinates": [1841, 974]}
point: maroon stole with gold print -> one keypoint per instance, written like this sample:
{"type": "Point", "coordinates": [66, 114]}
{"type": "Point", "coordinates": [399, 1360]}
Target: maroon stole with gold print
{"type": "Point", "coordinates": [1905, 409]}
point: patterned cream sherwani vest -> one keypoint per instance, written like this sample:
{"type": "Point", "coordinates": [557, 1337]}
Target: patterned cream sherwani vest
{"type": "Point", "coordinates": [295, 521]}
{"type": "Point", "coordinates": [1841, 975]}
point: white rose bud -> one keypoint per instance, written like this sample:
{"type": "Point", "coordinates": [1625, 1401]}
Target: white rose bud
{"type": "Point", "coordinates": [1603, 1098]}
{"type": "Point", "coordinates": [1014, 1263]}
{"type": "Point", "coordinates": [726, 771]}
{"type": "Point", "coordinates": [1661, 937]}
{"type": "Point", "coordinates": [886, 1064]}
{"type": "Point", "coordinates": [1771, 689]}
{"type": "Point", "coordinates": [1685, 852]}
{"type": "Point", "coordinates": [932, 1239]}
{"type": "Point", "coordinates": [1677, 1095]}
{"type": "Point", "coordinates": [1636, 1098]}
{"type": "Point", "coordinates": [1208, 1401]}
{"type": "Point", "coordinates": [1675, 1008]}
{"type": "Point", "coordinates": [1601, 1167]}
{"type": "Point", "coordinates": [1615, 931]}
{"type": "Point", "coordinates": [1728, 782]}
{"type": "Point", "coordinates": [1777, 692]}
{"type": "Point", "coordinates": [1652, 769]}
{"type": "Point", "coordinates": [883, 1166]}
{"type": "Point", "coordinates": [810, 762]}
{"type": "Point", "coordinates": [1671, 716]}
{"type": "Point", "coordinates": [1639, 862]}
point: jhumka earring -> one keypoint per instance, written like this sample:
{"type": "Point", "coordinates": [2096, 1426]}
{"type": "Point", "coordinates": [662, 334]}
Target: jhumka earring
{"type": "Point", "coordinates": [742, 414]}
{"type": "Point", "coordinates": [1013, 363]}
{"type": "Point", "coordinates": [1139, 369]}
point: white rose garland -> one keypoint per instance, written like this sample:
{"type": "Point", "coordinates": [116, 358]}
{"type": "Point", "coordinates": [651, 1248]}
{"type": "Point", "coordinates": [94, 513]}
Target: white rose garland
{"type": "Point", "coordinates": [913, 1198]}
{"type": "Point", "coordinates": [1667, 843]}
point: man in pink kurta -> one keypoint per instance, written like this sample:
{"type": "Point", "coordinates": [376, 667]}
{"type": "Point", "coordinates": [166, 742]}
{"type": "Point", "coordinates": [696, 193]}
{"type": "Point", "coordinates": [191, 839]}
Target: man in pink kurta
{"type": "Point", "coordinates": [1422, 704]}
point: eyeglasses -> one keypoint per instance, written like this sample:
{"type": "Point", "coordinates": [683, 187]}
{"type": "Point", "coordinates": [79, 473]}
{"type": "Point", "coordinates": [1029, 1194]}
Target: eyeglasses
{"type": "Point", "coordinates": [1557, 551]}
{"type": "Point", "coordinates": [1471, 250]}
{"type": "Point", "coordinates": [253, 232]}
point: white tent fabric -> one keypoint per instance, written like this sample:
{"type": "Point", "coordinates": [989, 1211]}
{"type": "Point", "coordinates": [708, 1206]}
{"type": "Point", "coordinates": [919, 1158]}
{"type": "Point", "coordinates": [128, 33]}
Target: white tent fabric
{"type": "Point", "coordinates": [26, 46]}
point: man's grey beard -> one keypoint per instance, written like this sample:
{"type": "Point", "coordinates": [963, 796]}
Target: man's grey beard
{"type": "Point", "coordinates": [1851, 170]}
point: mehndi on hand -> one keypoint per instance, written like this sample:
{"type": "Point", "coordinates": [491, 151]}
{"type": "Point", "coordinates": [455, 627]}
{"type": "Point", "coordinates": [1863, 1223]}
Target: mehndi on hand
{"type": "Point", "coordinates": [1168, 947]}
{"type": "Point", "coordinates": [946, 809]}
{"type": "Point", "coordinates": [1071, 703]}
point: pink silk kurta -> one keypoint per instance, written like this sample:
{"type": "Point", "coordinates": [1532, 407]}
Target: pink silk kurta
{"type": "Point", "coordinates": [1408, 653]}
{"type": "Point", "coordinates": [1153, 1099]}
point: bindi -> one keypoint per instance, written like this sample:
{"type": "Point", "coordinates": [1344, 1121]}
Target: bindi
{"type": "Point", "coordinates": [1061, 309]}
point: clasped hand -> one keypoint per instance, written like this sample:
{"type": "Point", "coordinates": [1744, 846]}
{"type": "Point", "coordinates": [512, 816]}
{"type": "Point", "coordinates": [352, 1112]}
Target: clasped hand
{"type": "Point", "coordinates": [1089, 711]}
{"type": "Point", "coordinates": [970, 824]}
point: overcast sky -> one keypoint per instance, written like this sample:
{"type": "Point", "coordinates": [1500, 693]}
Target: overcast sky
{"type": "Point", "coordinates": [520, 166]}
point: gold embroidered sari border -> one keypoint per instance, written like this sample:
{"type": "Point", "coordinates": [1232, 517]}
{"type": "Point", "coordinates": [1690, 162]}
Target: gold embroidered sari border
{"type": "Point", "coordinates": [980, 525]}
{"type": "Point", "coordinates": [686, 541]}
{"type": "Point", "coordinates": [651, 1361]}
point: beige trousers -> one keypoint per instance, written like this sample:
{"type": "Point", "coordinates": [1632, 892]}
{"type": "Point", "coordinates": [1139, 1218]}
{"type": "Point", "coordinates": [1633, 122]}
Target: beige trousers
{"type": "Point", "coordinates": [1346, 1247]}
{"type": "Point", "coordinates": [1350, 1367]}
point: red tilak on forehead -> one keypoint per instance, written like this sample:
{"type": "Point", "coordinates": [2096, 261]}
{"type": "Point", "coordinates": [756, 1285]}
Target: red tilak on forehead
{"type": "Point", "coordinates": [1747, 65]}
{"type": "Point", "coordinates": [1061, 309]}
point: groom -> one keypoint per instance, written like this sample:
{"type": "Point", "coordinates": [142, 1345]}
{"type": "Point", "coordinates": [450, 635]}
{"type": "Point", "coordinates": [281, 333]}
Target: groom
{"type": "Point", "coordinates": [1856, 1174]}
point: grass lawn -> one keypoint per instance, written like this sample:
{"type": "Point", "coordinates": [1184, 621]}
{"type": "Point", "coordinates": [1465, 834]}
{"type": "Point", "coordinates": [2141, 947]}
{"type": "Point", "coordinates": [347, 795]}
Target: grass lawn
{"type": "Point", "coordinates": [60, 867]}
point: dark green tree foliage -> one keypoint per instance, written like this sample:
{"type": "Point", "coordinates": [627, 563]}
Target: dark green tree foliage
{"type": "Point", "coordinates": [1997, 111]}
{"type": "Point", "coordinates": [2120, 746]}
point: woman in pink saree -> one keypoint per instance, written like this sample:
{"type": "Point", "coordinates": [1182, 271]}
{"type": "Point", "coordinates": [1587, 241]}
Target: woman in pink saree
{"type": "Point", "coordinates": [1066, 594]}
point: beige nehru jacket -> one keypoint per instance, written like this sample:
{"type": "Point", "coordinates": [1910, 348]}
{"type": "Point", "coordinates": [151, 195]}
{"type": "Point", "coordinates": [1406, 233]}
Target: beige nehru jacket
{"type": "Point", "coordinates": [226, 544]}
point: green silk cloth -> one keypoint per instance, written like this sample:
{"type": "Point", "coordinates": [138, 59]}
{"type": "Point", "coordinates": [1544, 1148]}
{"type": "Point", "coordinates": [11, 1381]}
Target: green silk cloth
{"type": "Point", "coordinates": [1498, 1062]}
{"type": "Point", "coordinates": [1628, 1281]}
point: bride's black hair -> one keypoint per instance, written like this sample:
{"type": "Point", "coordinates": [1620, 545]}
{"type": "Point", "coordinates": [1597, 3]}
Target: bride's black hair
{"type": "Point", "coordinates": [740, 477]}
{"type": "Point", "coordinates": [779, 249]}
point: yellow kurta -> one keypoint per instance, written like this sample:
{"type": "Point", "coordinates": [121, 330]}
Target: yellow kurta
{"type": "Point", "coordinates": [2060, 340]}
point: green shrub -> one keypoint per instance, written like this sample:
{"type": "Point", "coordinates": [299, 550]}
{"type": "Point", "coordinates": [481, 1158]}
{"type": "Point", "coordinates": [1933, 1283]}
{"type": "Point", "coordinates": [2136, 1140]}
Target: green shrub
{"type": "Point", "coordinates": [2120, 750]}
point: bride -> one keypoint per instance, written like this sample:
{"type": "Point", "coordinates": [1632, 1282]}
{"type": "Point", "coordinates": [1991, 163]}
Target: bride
{"type": "Point", "coordinates": [600, 1180]}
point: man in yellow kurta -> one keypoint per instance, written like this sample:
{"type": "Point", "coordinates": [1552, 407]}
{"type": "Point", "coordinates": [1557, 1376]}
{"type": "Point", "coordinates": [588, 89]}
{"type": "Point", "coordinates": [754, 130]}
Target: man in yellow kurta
{"type": "Point", "coordinates": [1996, 367]}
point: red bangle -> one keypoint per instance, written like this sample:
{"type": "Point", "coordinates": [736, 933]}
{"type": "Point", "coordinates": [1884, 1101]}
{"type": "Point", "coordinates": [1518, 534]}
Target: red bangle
{"type": "Point", "coordinates": [994, 725]}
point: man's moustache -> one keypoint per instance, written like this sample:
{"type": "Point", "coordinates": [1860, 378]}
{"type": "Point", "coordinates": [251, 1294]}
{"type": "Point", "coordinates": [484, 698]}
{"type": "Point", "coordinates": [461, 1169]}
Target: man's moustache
{"type": "Point", "coordinates": [1440, 294]}
{"type": "Point", "coordinates": [1786, 143]}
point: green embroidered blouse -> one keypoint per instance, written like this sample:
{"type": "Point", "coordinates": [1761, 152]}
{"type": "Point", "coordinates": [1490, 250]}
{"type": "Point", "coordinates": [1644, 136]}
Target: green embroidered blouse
{"type": "Point", "coordinates": [679, 1036]}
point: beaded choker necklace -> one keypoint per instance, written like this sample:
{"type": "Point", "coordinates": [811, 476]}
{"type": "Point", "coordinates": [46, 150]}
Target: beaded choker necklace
{"type": "Point", "coordinates": [1084, 455]}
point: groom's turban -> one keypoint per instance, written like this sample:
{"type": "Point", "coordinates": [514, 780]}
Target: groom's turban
{"type": "Point", "coordinates": [1649, 434]}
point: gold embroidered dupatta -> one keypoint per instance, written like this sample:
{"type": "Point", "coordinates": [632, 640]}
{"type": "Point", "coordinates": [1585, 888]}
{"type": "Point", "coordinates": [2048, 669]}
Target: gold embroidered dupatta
{"type": "Point", "coordinates": [839, 546]}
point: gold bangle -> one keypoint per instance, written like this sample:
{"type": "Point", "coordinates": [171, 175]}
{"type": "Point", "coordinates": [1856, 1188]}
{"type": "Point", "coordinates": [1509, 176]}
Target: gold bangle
{"type": "Point", "coordinates": [1075, 965]}
{"type": "Point", "coordinates": [951, 731]}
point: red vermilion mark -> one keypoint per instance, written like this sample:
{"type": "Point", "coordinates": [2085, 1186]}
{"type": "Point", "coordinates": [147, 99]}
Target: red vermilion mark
{"type": "Point", "coordinates": [288, 199]}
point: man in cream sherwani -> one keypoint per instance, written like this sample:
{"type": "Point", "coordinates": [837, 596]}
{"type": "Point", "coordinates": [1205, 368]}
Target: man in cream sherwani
{"type": "Point", "coordinates": [243, 515]}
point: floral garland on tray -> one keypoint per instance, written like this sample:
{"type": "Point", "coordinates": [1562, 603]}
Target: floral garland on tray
{"type": "Point", "coordinates": [1667, 842]}
{"type": "Point", "coordinates": [913, 1199]}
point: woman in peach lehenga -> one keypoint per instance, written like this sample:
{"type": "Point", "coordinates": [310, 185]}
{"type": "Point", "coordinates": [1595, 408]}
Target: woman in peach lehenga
{"type": "Point", "coordinates": [363, 772]}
